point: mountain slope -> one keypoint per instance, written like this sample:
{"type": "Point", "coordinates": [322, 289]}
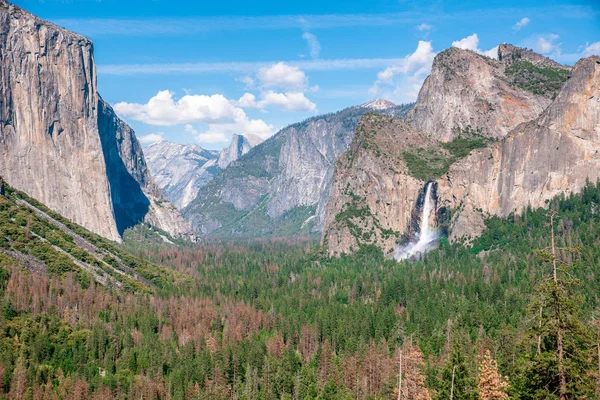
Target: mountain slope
{"type": "Point", "coordinates": [468, 90]}
{"type": "Point", "coordinates": [179, 170]}
{"type": "Point", "coordinates": [60, 142]}
{"type": "Point", "coordinates": [552, 153]}
{"type": "Point", "coordinates": [43, 241]}
{"type": "Point", "coordinates": [555, 153]}
{"type": "Point", "coordinates": [281, 186]}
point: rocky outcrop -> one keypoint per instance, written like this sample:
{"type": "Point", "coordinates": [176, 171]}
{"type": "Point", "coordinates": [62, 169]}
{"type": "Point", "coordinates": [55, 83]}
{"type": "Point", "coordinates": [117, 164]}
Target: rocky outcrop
{"type": "Point", "coordinates": [469, 91]}
{"type": "Point", "coordinates": [60, 142]}
{"type": "Point", "coordinates": [555, 153]}
{"type": "Point", "coordinates": [281, 185]}
{"type": "Point", "coordinates": [180, 170]}
{"type": "Point", "coordinates": [510, 55]}
{"type": "Point", "coordinates": [239, 146]}
{"type": "Point", "coordinates": [373, 196]}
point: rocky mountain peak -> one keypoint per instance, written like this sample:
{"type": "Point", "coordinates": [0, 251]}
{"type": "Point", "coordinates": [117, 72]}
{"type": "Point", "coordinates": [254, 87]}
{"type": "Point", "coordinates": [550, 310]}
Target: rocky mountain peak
{"type": "Point", "coordinates": [468, 91]}
{"type": "Point", "coordinates": [240, 145]}
{"type": "Point", "coordinates": [576, 109]}
{"type": "Point", "coordinates": [379, 104]}
{"type": "Point", "coordinates": [509, 55]}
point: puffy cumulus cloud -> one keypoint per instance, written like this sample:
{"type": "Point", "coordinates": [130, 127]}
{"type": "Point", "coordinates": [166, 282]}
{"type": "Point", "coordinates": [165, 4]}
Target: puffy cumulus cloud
{"type": "Point", "coordinates": [592, 49]}
{"type": "Point", "coordinates": [403, 81]}
{"type": "Point", "coordinates": [151, 138]}
{"type": "Point", "coordinates": [546, 44]}
{"type": "Point", "coordinates": [521, 24]}
{"type": "Point", "coordinates": [162, 109]}
{"type": "Point", "coordinates": [313, 44]}
{"type": "Point", "coordinates": [472, 43]}
{"type": "Point", "coordinates": [293, 84]}
{"type": "Point", "coordinates": [222, 116]}
{"type": "Point", "coordinates": [288, 101]}
{"type": "Point", "coordinates": [221, 133]}
{"type": "Point", "coordinates": [282, 76]}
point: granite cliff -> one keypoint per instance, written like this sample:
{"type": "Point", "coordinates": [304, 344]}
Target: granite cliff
{"type": "Point", "coordinates": [60, 142]}
{"type": "Point", "coordinates": [466, 89]}
{"type": "Point", "coordinates": [493, 135]}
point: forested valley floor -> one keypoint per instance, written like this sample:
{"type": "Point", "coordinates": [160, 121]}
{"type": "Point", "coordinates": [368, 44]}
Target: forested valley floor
{"type": "Point", "coordinates": [504, 316]}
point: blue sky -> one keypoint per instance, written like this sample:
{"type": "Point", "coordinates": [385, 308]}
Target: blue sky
{"type": "Point", "coordinates": [199, 71]}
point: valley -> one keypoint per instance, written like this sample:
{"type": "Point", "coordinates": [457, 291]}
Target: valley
{"type": "Point", "coordinates": [442, 246]}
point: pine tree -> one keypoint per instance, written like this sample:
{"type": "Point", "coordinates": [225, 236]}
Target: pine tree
{"type": "Point", "coordinates": [559, 367]}
{"type": "Point", "coordinates": [492, 385]}
{"type": "Point", "coordinates": [457, 382]}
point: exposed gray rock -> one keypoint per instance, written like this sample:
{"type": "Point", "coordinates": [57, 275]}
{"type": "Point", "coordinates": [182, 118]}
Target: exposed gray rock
{"type": "Point", "coordinates": [60, 142]}
{"type": "Point", "coordinates": [239, 146]}
{"type": "Point", "coordinates": [373, 196]}
{"type": "Point", "coordinates": [555, 153]}
{"type": "Point", "coordinates": [50, 147]}
{"type": "Point", "coordinates": [468, 90]}
{"type": "Point", "coordinates": [180, 170]}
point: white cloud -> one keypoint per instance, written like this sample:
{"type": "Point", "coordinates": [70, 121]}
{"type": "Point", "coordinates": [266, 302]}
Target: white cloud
{"type": "Point", "coordinates": [151, 138]}
{"type": "Point", "coordinates": [293, 82]}
{"type": "Point", "coordinates": [545, 44]}
{"type": "Point", "coordinates": [282, 76]}
{"type": "Point", "coordinates": [405, 78]}
{"type": "Point", "coordinates": [592, 49]}
{"type": "Point", "coordinates": [247, 81]}
{"type": "Point", "coordinates": [468, 43]}
{"type": "Point", "coordinates": [313, 44]}
{"type": "Point", "coordinates": [472, 43]}
{"type": "Point", "coordinates": [521, 24]}
{"type": "Point", "coordinates": [424, 27]}
{"type": "Point", "coordinates": [222, 116]}
{"type": "Point", "coordinates": [288, 101]}
{"type": "Point", "coordinates": [163, 110]}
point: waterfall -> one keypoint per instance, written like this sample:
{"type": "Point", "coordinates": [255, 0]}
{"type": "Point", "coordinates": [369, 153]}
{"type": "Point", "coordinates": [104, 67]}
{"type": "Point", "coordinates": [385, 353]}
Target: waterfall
{"type": "Point", "coordinates": [427, 235]}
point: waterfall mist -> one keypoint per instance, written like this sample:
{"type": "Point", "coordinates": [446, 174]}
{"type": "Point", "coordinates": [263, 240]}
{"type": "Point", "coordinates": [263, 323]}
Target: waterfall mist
{"type": "Point", "coordinates": [427, 236]}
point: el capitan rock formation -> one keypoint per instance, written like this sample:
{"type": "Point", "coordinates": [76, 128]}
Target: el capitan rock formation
{"type": "Point", "coordinates": [60, 142]}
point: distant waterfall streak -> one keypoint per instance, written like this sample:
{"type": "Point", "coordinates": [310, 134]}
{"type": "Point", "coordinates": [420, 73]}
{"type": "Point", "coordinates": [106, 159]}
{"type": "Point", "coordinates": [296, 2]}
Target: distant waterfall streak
{"type": "Point", "coordinates": [427, 235]}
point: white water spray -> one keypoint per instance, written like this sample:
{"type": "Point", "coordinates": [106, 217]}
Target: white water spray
{"type": "Point", "coordinates": [428, 235]}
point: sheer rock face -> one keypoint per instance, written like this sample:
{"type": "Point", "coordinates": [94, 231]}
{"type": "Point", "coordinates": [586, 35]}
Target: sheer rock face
{"type": "Point", "coordinates": [466, 89]}
{"type": "Point", "coordinates": [239, 146]}
{"type": "Point", "coordinates": [60, 142]}
{"type": "Point", "coordinates": [180, 170]}
{"type": "Point", "coordinates": [50, 147]}
{"type": "Point", "coordinates": [373, 196]}
{"type": "Point", "coordinates": [555, 153]}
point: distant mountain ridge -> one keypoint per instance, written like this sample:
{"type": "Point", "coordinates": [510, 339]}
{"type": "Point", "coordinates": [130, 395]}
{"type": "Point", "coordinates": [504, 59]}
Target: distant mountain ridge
{"type": "Point", "coordinates": [181, 170]}
{"type": "Point", "coordinates": [281, 186]}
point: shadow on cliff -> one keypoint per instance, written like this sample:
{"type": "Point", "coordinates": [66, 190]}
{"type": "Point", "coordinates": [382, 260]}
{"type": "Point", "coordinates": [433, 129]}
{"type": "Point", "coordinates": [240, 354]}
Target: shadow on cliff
{"type": "Point", "coordinates": [130, 204]}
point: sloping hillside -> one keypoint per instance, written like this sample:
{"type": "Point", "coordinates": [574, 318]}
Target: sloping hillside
{"type": "Point", "coordinates": [43, 241]}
